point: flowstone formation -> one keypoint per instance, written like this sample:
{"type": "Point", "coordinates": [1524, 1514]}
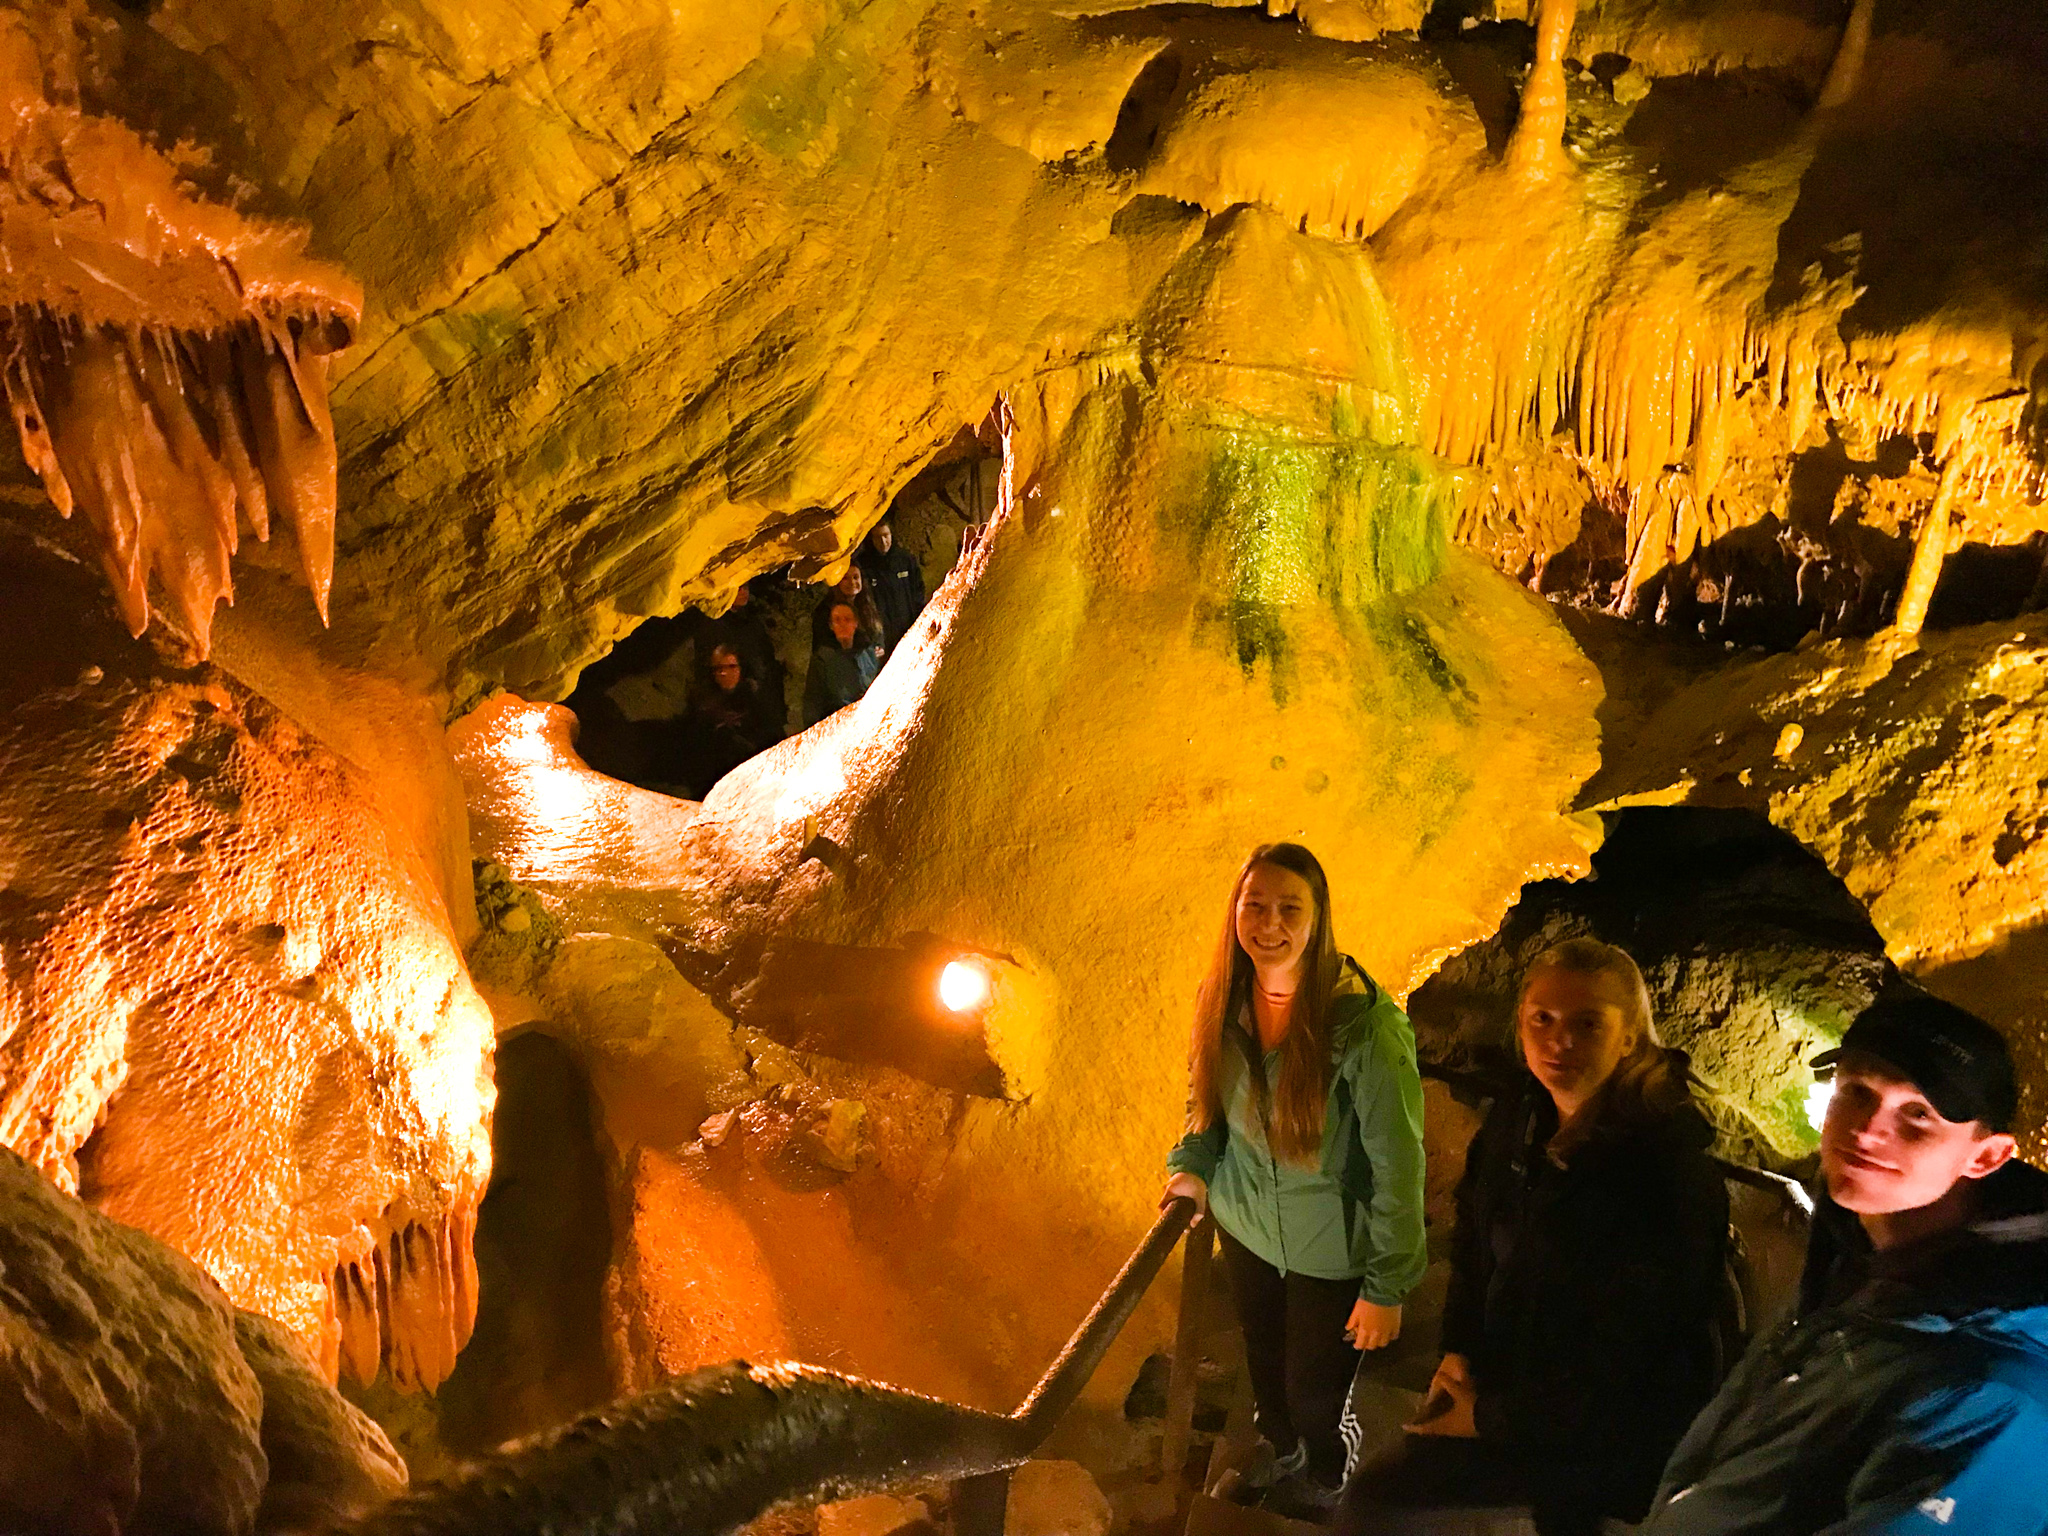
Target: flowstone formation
{"type": "Point", "coordinates": [1218, 608]}
{"type": "Point", "coordinates": [233, 1012]}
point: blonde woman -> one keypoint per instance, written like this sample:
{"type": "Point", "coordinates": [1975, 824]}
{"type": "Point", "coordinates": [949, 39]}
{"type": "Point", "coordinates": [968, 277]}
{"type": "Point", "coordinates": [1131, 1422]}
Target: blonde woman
{"type": "Point", "coordinates": [1579, 1332]}
{"type": "Point", "coordinates": [1305, 1145]}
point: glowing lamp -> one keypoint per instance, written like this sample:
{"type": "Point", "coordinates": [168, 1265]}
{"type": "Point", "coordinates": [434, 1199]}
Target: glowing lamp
{"type": "Point", "coordinates": [1817, 1098]}
{"type": "Point", "coordinates": [963, 986]}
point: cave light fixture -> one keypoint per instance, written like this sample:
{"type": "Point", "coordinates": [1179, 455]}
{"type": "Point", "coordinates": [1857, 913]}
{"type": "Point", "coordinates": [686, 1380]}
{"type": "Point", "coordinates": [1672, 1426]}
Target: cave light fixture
{"type": "Point", "coordinates": [964, 986]}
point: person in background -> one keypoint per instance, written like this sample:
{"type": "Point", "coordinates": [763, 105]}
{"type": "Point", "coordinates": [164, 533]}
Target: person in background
{"type": "Point", "coordinates": [850, 589]}
{"type": "Point", "coordinates": [1587, 1265]}
{"type": "Point", "coordinates": [724, 726]}
{"type": "Point", "coordinates": [1908, 1393]}
{"type": "Point", "coordinates": [895, 580]}
{"type": "Point", "coordinates": [842, 670]}
{"type": "Point", "coordinates": [743, 628]}
{"type": "Point", "coordinates": [1305, 1145]}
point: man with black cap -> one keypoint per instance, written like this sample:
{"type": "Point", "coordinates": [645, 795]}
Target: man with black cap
{"type": "Point", "coordinates": [1909, 1390]}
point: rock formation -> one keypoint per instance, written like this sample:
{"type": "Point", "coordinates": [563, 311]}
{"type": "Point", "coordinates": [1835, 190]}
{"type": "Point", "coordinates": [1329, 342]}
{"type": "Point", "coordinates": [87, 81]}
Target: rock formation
{"type": "Point", "coordinates": [134, 1397]}
{"type": "Point", "coordinates": [1319, 341]}
{"type": "Point", "coordinates": [234, 1013]}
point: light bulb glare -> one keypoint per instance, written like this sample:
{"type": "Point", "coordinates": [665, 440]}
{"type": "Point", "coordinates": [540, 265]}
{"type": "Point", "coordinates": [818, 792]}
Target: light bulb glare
{"type": "Point", "coordinates": [963, 986]}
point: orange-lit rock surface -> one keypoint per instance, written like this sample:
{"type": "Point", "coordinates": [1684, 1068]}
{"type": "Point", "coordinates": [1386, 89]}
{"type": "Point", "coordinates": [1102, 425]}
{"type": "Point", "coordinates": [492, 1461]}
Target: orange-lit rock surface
{"type": "Point", "coordinates": [747, 272]}
{"type": "Point", "coordinates": [234, 1012]}
{"type": "Point", "coordinates": [1274, 306]}
{"type": "Point", "coordinates": [166, 358]}
{"type": "Point", "coordinates": [1218, 608]}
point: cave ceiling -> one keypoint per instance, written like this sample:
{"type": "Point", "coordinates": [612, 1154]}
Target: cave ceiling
{"type": "Point", "coordinates": [657, 299]}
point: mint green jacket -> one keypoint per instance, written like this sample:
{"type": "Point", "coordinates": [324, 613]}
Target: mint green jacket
{"type": "Point", "coordinates": [1358, 1213]}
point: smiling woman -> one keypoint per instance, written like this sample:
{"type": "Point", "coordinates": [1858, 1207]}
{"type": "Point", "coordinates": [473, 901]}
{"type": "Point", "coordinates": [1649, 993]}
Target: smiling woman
{"type": "Point", "coordinates": [1305, 1145]}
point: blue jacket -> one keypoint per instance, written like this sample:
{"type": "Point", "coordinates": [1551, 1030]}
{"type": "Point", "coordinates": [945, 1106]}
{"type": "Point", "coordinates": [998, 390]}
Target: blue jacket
{"type": "Point", "coordinates": [1907, 1396]}
{"type": "Point", "coordinates": [1357, 1214]}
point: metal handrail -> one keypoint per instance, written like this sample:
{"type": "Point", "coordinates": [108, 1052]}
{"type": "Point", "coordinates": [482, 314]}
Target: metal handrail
{"type": "Point", "coordinates": [709, 1452]}
{"type": "Point", "coordinates": [1069, 1373]}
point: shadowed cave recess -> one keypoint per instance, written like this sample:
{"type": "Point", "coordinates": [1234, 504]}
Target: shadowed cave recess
{"type": "Point", "coordinates": [1578, 467]}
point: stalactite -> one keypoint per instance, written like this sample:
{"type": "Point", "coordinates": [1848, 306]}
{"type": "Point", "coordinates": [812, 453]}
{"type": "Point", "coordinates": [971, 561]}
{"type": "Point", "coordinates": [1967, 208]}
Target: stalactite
{"type": "Point", "coordinates": [408, 1302]}
{"type": "Point", "coordinates": [1536, 147]}
{"type": "Point", "coordinates": [164, 358]}
{"type": "Point", "coordinates": [1846, 72]}
{"type": "Point", "coordinates": [162, 437]}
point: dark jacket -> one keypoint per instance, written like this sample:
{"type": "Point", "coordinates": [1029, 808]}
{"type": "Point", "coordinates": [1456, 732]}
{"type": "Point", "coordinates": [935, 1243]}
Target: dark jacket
{"type": "Point", "coordinates": [1908, 1393]}
{"type": "Point", "coordinates": [897, 583]}
{"type": "Point", "coordinates": [1585, 1296]}
{"type": "Point", "coordinates": [721, 731]}
{"type": "Point", "coordinates": [1358, 1212]}
{"type": "Point", "coordinates": [837, 678]}
{"type": "Point", "coordinates": [747, 633]}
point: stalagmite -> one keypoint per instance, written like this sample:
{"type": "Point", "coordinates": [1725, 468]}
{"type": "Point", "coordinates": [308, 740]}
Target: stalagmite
{"type": "Point", "coordinates": [1930, 549]}
{"type": "Point", "coordinates": [164, 358]}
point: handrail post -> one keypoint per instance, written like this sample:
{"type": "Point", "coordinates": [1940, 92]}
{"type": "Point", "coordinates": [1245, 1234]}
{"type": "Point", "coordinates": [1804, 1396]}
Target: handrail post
{"type": "Point", "coordinates": [981, 1504]}
{"type": "Point", "coordinates": [1182, 1382]}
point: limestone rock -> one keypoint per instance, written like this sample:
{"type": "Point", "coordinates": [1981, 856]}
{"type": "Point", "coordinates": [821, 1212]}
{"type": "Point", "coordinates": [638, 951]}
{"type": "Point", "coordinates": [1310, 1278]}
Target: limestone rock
{"type": "Point", "coordinates": [655, 1046]}
{"type": "Point", "coordinates": [1301, 657]}
{"type": "Point", "coordinates": [234, 1011]}
{"type": "Point", "coordinates": [124, 1402]}
{"type": "Point", "coordinates": [1055, 1498]}
{"type": "Point", "coordinates": [877, 1515]}
{"type": "Point", "coordinates": [133, 1397]}
{"type": "Point", "coordinates": [326, 1460]}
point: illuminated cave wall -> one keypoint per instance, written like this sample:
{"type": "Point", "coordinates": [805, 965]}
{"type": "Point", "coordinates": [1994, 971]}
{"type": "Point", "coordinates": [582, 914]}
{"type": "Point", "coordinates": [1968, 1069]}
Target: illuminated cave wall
{"type": "Point", "coordinates": [1306, 351]}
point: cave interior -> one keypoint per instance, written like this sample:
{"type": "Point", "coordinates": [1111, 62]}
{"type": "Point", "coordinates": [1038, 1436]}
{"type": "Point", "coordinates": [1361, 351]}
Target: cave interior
{"type": "Point", "coordinates": [1578, 465]}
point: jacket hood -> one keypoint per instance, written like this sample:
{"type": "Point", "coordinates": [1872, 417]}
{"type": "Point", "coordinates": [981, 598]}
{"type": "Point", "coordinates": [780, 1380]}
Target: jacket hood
{"type": "Point", "coordinates": [1682, 1128]}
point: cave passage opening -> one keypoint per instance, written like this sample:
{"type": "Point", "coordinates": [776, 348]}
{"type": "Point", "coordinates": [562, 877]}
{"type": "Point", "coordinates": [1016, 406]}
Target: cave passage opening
{"type": "Point", "coordinates": [543, 1250]}
{"type": "Point", "coordinates": [658, 709]}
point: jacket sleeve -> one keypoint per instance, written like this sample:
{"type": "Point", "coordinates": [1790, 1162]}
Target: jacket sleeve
{"type": "Point", "coordinates": [1961, 1461]}
{"type": "Point", "coordinates": [1464, 1321]}
{"type": "Point", "coordinates": [1199, 1152]}
{"type": "Point", "coordinates": [1388, 1245]}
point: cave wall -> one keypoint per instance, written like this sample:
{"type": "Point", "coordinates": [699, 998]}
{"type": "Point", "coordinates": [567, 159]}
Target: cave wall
{"type": "Point", "coordinates": [235, 1011]}
{"type": "Point", "coordinates": [1744, 307]}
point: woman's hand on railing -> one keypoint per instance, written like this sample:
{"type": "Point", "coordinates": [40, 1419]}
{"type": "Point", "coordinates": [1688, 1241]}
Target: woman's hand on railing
{"type": "Point", "coordinates": [1372, 1326]}
{"type": "Point", "coordinates": [1185, 1186]}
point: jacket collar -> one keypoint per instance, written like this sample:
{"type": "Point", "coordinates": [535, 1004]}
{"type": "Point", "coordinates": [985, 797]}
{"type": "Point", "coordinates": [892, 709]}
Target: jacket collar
{"type": "Point", "coordinates": [1998, 1262]}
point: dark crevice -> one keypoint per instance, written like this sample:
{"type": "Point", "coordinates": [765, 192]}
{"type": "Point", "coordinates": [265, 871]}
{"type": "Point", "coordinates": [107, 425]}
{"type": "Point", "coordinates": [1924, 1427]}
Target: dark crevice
{"type": "Point", "coordinates": [543, 1247]}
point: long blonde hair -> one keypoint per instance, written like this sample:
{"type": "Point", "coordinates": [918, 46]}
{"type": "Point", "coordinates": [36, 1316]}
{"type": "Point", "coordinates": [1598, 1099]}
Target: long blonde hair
{"type": "Point", "coordinates": [1303, 1085]}
{"type": "Point", "coordinates": [1648, 1083]}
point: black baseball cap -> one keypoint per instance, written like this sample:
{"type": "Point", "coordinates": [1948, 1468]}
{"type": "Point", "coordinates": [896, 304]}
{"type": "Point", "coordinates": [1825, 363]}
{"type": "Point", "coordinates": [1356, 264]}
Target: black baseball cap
{"type": "Point", "coordinates": [1960, 1062]}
